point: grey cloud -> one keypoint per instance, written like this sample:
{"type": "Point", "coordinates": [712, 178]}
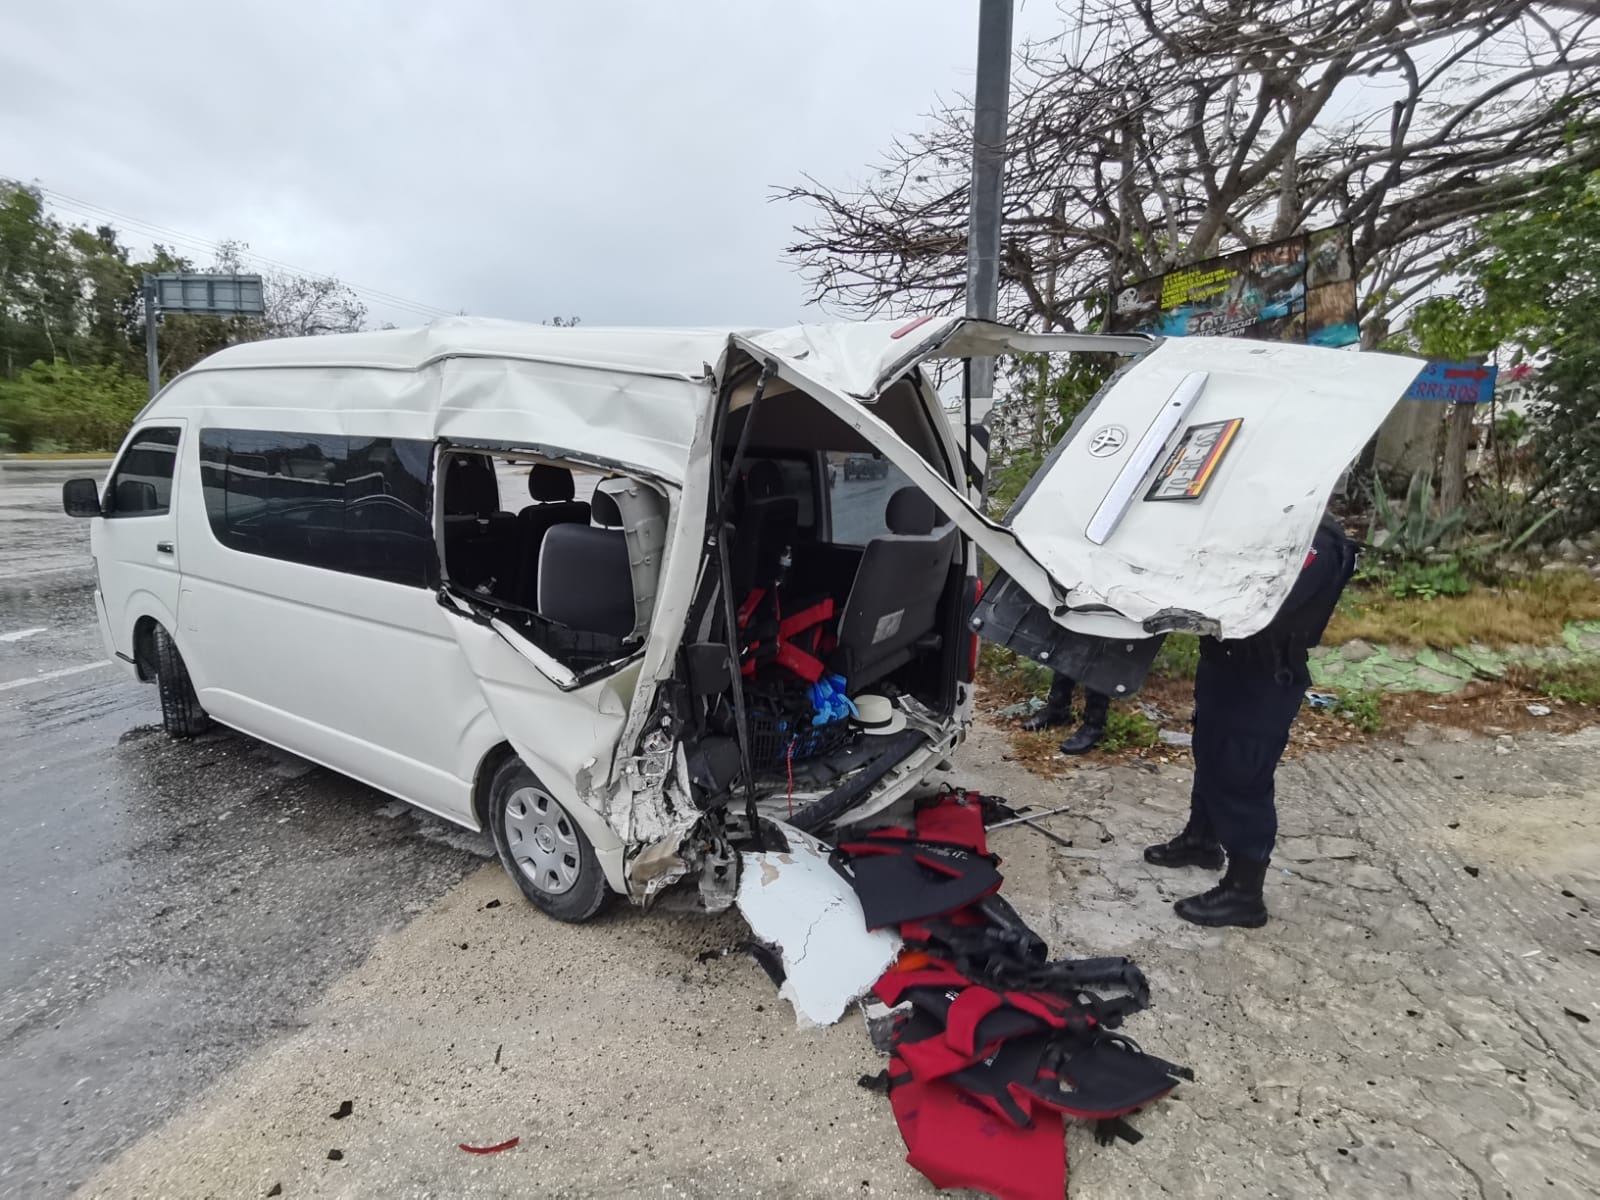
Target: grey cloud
{"type": "Point", "coordinates": [610, 160]}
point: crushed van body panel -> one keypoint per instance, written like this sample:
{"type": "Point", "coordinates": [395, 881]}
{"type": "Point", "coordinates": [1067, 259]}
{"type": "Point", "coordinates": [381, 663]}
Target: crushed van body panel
{"type": "Point", "coordinates": [1232, 551]}
{"type": "Point", "coordinates": [794, 900]}
{"type": "Point", "coordinates": [1180, 538]}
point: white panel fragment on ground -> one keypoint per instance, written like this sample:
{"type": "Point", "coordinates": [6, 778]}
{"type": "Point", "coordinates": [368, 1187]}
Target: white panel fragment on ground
{"type": "Point", "coordinates": [795, 901]}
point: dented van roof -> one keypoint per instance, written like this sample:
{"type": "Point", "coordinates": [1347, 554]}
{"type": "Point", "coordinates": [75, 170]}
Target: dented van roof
{"type": "Point", "coordinates": [674, 353]}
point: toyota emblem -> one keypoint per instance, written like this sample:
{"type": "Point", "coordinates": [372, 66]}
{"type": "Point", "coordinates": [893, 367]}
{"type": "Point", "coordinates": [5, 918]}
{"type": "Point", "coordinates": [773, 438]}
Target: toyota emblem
{"type": "Point", "coordinates": [1107, 440]}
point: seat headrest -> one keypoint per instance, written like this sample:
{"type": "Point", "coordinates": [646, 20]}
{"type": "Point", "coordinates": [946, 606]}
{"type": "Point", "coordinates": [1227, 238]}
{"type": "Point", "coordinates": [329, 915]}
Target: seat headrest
{"type": "Point", "coordinates": [910, 511]}
{"type": "Point", "coordinates": [603, 508]}
{"type": "Point", "coordinates": [549, 485]}
{"type": "Point", "coordinates": [763, 480]}
{"type": "Point", "coordinates": [470, 489]}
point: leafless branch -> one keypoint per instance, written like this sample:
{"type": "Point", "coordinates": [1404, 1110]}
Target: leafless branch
{"type": "Point", "coordinates": [1151, 133]}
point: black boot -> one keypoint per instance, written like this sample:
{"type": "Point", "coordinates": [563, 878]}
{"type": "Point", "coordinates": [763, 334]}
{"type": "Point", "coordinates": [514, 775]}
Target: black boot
{"type": "Point", "coordinates": [1057, 708]}
{"type": "Point", "coordinates": [1190, 848]}
{"type": "Point", "coordinates": [1047, 718]}
{"type": "Point", "coordinates": [1087, 736]}
{"type": "Point", "coordinates": [1236, 900]}
{"type": "Point", "coordinates": [1084, 738]}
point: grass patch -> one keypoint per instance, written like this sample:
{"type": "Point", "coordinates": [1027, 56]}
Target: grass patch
{"type": "Point", "coordinates": [1574, 683]}
{"type": "Point", "coordinates": [1009, 676]}
{"type": "Point", "coordinates": [1364, 710]}
{"type": "Point", "coordinates": [1178, 658]}
{"type": "Point", "coordinates": [1128, 731]}
{"type": "Point", "coordinates": [1527, 612]}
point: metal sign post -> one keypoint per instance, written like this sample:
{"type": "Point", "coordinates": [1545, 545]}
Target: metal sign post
{"type": "Point", "coordinates": [991, 105]}
{"type": "Point", "coordinates": [194, 292]}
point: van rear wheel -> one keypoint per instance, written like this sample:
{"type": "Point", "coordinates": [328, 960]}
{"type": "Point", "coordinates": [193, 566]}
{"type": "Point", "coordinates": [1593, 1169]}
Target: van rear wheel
{"type": "Point", "coordinates": [181, 714]}
{"type": "Point", "coordinates": [541, 846]}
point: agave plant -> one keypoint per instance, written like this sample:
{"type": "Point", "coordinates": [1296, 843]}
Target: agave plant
{"type": "Point", "coordinates": [1412, 532]}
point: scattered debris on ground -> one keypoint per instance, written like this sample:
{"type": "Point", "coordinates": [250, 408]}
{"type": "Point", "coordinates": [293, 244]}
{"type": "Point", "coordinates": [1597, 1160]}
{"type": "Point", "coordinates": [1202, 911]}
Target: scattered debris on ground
{"type": "Point", "coordinates": [991, 1045]}
{"type": "Point", "coordinates": [508, 1144]}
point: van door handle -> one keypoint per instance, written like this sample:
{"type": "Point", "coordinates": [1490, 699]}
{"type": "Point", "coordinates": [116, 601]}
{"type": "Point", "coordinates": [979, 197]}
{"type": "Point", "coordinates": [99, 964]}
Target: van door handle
{"type": "Point", "coordinates": [163, 547]}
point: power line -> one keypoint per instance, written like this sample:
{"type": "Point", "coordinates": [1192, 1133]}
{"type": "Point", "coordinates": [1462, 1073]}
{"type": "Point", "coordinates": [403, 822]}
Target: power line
{"type": "Point", "coordinates": [97, 212]}
{"type": "Point", "coordinates": [194, 242]}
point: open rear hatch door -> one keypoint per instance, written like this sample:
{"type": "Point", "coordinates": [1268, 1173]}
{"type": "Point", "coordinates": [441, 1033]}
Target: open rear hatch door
{"type": "Point", "coordinates": [1184, 498]}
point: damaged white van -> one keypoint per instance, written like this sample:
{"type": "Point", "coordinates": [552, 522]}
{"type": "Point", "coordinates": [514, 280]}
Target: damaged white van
{"type": "Point", "coordinates": [709, 606]}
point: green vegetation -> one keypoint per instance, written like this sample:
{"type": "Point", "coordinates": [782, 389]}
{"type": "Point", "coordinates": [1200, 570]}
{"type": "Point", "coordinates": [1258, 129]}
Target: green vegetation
{"type": "Point", "coordinates": [1426, 581]}
{"type": "Point", "coordinates": [55, 407]}
{"type": "Point", "coordinates": [1529, 611]}
{"type": "Point", "coordinates": [1044, 398]}
{"type": "Point", "coordinates": [72, 344]}
{"type": "Point", "coordinates": [1126, 730]}
{"type": "Point", "coordinates": [1574, 683]}
{"type": "Point", "coordinates": [1178, 658]}
{"type": "Point", "coordinates": [1361, 709]}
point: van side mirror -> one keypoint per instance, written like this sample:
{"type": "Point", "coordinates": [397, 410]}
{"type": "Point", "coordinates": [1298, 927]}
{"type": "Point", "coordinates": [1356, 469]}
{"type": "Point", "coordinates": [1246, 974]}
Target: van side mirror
{"type": "Point", "coordinates": [81, 498]}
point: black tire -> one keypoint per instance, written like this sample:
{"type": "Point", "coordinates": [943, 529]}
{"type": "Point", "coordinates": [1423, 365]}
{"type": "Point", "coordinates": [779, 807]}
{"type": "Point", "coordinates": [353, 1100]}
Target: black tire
{"type": "Point", "coordinates": [542, 848]}
{"type": "Point", "coordinates": [181, 714]}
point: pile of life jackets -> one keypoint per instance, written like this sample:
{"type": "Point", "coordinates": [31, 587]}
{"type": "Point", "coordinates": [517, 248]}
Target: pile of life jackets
{"type": "Point", "coordinates": [993, 1046]}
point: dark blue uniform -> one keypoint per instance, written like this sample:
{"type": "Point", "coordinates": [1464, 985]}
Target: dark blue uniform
{"type": "Point", "coordinates": [1247, 693]}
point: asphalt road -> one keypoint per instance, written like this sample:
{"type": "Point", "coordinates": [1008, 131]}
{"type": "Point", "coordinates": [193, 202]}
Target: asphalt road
{"type": "Point", "coordinates": [167, 906]}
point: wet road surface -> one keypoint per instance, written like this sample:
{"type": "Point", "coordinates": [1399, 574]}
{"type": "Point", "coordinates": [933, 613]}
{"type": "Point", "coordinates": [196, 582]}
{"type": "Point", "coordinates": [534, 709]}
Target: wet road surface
{"type": "Point", "coordinates": [168, 905]}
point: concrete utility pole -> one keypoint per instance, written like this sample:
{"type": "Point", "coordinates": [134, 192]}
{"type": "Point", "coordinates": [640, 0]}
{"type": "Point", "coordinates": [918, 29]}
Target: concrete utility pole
{"type": "Point", "coordinates": [992, 102]}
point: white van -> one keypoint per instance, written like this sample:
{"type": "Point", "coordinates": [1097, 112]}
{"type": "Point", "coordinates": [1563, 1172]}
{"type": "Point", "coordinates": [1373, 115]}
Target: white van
{"type": "Point", "coordinates": [318, 542]}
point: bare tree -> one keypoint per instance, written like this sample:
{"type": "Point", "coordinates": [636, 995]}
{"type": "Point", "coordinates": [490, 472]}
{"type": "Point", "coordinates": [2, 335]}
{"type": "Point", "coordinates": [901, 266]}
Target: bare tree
{"type": "Point", "coordinates": [307, 305]}
{"type": "Point", "coordinates": [1154, 133]}
{"type": "Point", "coordinates": [298, 305]}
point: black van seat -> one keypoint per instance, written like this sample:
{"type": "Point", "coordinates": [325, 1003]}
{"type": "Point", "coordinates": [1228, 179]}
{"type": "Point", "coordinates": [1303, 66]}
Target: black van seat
{"type": "Point", "coordinates": [894, 601]}
{"type": "Point", "coordinates": [768, 523]}
{"type": "Point", "coordinates": [552, 489]}
{"type": "Point", "coordinates": [585, 581]}
{"type": "Point", "coordinates": [478, 536]}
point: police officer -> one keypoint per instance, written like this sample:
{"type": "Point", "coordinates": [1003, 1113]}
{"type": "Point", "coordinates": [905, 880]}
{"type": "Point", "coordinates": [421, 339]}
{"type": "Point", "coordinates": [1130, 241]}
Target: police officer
{"type": "Point", "coordinates": [1246, 695]}
{"type": "Point", "coordinates": [1057, 710]}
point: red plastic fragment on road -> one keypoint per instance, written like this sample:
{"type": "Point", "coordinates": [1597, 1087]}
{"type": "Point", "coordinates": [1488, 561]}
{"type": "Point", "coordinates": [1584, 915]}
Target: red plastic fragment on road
{"type": "Point", "coordinates": [490, 1149]}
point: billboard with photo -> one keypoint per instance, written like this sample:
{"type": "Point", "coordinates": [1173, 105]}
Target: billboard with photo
{"type": "Point", "coordinates": [1301, 289]}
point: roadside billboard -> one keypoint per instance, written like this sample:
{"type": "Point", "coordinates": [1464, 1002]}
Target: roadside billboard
{"type": "Point", "coordinates": [1301, 289]}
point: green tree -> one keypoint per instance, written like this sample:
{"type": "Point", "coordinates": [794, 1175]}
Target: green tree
{"type": "Point", "coordinates": [1534, 289]}
{"type": "Point", "coordinates": [58, 406]}
{"type": "Point", "coordinates": [1045, 395]}
{"type": "Point", "coordinates": [39, 293]}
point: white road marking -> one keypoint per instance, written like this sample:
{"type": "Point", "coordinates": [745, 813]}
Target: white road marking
{"type": "Point", "coordinates": [17, 635]}
{"type": "Point", "coordinates": [49, 675]}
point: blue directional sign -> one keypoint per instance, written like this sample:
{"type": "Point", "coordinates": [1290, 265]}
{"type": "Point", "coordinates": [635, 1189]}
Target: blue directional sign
{"type": "Point", "coordinates": [1456, 383]}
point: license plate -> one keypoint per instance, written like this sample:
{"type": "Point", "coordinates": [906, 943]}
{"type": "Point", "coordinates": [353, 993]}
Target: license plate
{"type": "Point", "coordinates": [1191, 466]}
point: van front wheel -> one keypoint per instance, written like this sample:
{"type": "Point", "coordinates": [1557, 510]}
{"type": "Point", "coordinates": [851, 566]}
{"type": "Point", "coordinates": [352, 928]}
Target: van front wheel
{"type": "Point", "coordinates": [181, 714]}
{"type": "Point", "coordinates": [542, 848]}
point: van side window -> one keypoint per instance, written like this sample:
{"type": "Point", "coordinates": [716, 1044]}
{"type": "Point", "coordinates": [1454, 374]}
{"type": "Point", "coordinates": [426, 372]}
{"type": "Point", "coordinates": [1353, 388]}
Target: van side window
{"type": "Point", "coordinates": [357, 505]}
{"type": "Point", "coordinates": [858, 498]}
{"type": "Point", "coordinates": [142, 485]}
{"type": "Point", "coordinates": [388, 530]}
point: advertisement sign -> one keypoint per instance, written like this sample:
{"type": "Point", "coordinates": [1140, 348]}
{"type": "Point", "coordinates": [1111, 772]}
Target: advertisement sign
{"type": "Point", "coordinates": [1301, 289]}
{"type": "Point", "coordinates": [1456, 382]}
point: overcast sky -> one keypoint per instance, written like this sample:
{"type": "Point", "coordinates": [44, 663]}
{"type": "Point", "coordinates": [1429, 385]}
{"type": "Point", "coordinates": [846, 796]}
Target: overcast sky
{"type": "Point", "coordinates": [610, 159]}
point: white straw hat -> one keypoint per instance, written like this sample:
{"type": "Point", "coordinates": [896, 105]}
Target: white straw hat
{"type": "Point", "coordinates": [878, 715]}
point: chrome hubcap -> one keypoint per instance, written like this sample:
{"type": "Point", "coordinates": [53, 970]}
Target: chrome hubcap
{"type": "Point", "coordinates": [543, 840]}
